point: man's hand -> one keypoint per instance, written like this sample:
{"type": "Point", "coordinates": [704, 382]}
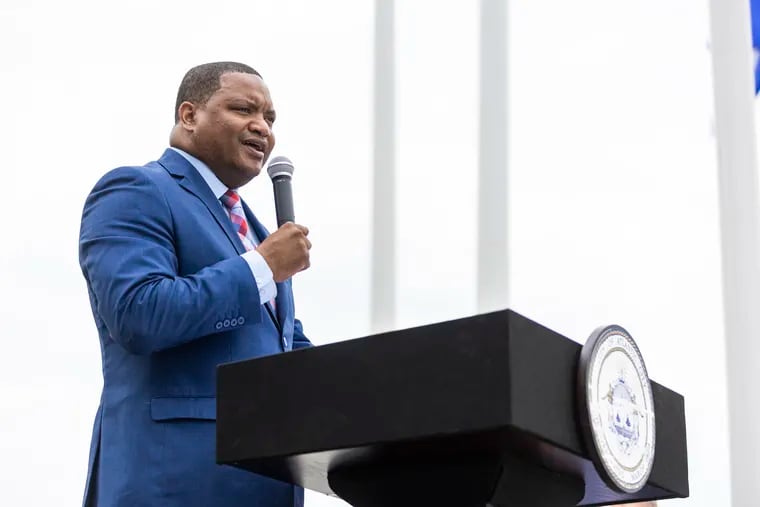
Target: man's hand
{"type": "Point", "coordinates": [286, 251]}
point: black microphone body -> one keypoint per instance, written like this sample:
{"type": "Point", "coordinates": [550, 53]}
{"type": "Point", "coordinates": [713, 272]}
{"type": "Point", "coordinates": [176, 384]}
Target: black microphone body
{"type": "Point", "coordinates": [281, 171]}
{"type": "Point", "coordinates": [283, 200]}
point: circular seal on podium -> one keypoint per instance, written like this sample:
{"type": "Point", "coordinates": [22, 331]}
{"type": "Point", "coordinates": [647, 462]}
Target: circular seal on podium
{"type": "Point", "coordinates": [616, 408]}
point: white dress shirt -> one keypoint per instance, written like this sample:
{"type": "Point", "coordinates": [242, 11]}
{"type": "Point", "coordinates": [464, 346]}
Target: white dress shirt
{"type": "Point", "coordinates": [262, 274]}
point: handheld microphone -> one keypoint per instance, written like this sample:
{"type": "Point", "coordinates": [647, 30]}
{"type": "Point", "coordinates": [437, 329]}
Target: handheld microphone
{"type": "Point", "coordinates": [281, 171]}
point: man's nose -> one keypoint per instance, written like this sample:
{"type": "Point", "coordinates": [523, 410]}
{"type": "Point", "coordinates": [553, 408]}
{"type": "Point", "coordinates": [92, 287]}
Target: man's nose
{"type": "Point", "coordinates": [260, 127]}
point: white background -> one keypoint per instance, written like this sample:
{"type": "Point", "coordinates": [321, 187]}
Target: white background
{"type": "Point", "coordinates": [612, 192]}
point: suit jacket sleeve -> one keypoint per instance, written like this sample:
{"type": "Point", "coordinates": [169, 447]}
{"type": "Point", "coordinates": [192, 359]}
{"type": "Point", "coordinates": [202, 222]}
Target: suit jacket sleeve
{"type": "Point", "coordinates": [299, 338]}
{"type": "Point", "coordinates": [127, 254]}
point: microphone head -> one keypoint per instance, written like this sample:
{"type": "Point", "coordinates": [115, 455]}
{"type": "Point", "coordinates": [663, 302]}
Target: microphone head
{"type": "Point", "coordinates": [280, 166]}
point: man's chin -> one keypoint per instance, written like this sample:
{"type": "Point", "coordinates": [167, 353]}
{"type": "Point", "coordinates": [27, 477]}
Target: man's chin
{"type": "Point", "coordinates": [255, 170]}
{"type": "Point", "coordinates": [250, 171]}
{"type": "Point", "coordinates": [250, 165]}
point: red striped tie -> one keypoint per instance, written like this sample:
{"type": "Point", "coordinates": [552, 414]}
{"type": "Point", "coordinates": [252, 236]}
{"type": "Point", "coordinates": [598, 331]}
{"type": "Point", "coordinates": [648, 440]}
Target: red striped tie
{"type": "Point", "coordinates": [231, 201]}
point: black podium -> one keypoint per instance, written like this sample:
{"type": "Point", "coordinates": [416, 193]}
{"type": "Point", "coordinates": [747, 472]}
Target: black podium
{"type": "Point", "coordinates": [474, 412]}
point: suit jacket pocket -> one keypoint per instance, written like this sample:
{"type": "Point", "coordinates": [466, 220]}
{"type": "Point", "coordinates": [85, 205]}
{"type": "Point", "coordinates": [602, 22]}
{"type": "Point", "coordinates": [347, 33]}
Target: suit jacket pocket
{"type": "Point", "coordinates": [168, 409]}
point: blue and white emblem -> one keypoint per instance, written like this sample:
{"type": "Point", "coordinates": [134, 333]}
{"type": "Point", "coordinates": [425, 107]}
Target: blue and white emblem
{"type": "Point", "coordinates": [617, 409]}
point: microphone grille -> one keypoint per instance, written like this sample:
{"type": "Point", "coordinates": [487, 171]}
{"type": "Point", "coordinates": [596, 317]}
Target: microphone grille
{"type": "Point", "coordinates": [279, 166]}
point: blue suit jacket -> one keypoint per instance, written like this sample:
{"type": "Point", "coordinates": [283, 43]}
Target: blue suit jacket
{"type": "Point", "coordinates": [172, 299]}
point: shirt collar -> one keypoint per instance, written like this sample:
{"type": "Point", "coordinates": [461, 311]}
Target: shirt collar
{"type": "Point", "coordinates": [214, 183]}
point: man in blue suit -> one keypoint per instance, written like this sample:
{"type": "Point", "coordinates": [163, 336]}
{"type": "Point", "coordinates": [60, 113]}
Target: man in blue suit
{"type": "Point", "coordinates": [182, 277]}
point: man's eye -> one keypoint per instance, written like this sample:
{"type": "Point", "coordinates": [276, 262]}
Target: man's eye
{"type": "Point", "coordinates": [245, 110]}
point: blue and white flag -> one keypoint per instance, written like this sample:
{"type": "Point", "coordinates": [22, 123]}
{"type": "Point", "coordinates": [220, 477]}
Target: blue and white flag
{"type": "Point", "coordinates": [755, 14]}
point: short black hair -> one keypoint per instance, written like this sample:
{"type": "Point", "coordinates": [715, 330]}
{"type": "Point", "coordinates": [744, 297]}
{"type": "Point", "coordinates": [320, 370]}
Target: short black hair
{"type": "Point", "coordinates": [202, 81]}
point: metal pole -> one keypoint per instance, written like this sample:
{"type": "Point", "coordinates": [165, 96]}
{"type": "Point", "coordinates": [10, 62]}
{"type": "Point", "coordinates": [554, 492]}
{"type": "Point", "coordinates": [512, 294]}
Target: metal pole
{"type": "Point", "coordinates": [383, 291]}
{"type": "Point", "coordinates": [740, 238]}
{"type": "Point", "coordinates": [493, 255]}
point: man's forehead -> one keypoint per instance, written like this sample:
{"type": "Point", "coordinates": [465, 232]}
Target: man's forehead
{"type": "Point", "coordinates": [239, 83]}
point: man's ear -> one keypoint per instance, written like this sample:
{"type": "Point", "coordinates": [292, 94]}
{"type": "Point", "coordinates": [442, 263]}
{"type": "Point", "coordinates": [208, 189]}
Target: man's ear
{"type": "Point", "coordinates": [187, 115]}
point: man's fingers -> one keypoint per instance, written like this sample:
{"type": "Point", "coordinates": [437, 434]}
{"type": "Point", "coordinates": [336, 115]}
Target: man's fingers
{"type": "Point", "coordinates": [289, 249]}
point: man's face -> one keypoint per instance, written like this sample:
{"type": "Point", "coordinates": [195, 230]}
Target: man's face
{"type": "Point", "coordinates": [233, 130]}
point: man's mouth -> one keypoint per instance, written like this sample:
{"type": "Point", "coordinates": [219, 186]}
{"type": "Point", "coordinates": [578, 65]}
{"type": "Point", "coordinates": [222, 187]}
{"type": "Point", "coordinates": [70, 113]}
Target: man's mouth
{"type": "Point", "coordinates": [257, 145]}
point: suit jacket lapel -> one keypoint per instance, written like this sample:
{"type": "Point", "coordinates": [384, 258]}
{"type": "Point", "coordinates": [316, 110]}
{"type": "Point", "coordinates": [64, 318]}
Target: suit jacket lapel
{"type": "Point", "coordinates": [189, 179]}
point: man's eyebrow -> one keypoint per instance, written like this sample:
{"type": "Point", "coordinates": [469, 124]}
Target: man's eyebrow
{"type": "Point", "coordinates": [256, 103]}
{"type": "Point", "coordinates": [244, 99]}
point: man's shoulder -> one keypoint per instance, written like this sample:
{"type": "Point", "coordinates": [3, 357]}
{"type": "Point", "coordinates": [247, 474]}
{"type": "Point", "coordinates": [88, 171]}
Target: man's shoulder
{"type": "Point", "coordinates": [152, 171]}
{"type": "Point", "coordinates": [151, 174]}
{"type": "Point", "coordinates": [127, 189]}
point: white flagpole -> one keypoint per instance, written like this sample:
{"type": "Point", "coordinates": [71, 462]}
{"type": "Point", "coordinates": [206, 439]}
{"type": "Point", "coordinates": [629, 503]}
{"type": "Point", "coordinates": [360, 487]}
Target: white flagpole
{"type": "Point", "coordinates": [383, 280]}
{"type": "Point", "coordinates": [493, 254]}
{"type": "Point", "coordinates": [740, 238]}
